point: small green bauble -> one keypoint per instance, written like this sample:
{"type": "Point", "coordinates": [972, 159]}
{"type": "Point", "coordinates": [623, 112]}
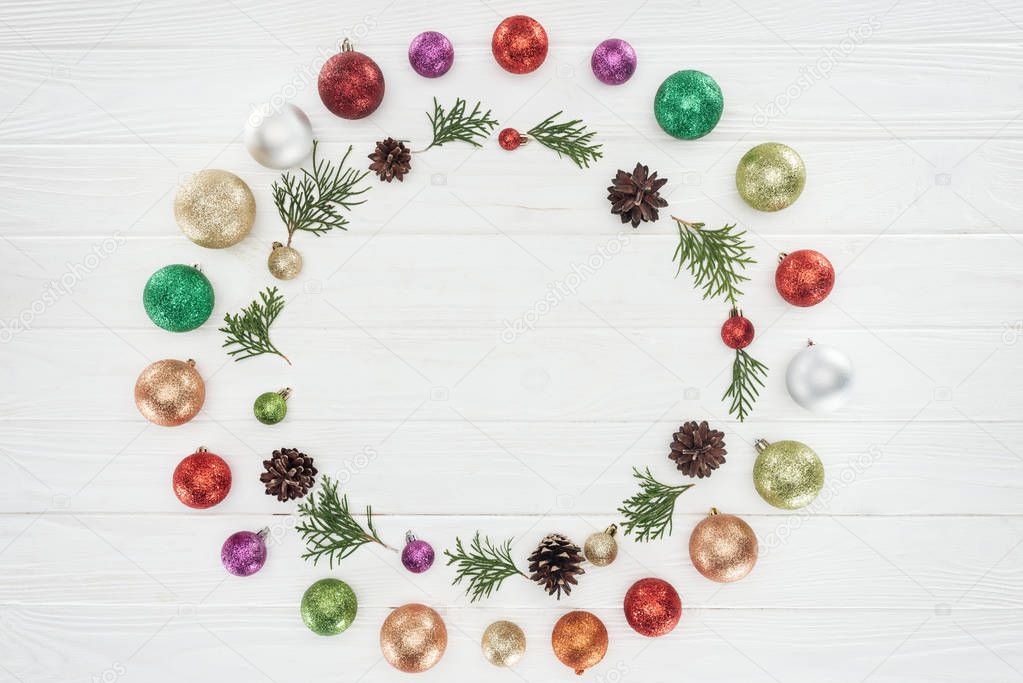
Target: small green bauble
{"type": "Point", "coordinates": [329, 607]}
{"type": "Point", "coordinates": [787, 474]}
{"type": "Point", "coordinates": [688, 104]}
{"type": "Point", "coordinates": [770, 176]}
{"type": "Point", "coordinates": [178, 298]}
{"type": "Point", "coordinates": [271, 407]}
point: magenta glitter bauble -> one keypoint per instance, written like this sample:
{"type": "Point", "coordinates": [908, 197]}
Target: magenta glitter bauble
{"type": "Point", "coordinates": [417, 556]}
{"type": "Point", "coordinates": [244, 552]}
{"type": "Point", "coordinates": [613, 61]}
{"type": "Point", "coordinates": [431, 54]}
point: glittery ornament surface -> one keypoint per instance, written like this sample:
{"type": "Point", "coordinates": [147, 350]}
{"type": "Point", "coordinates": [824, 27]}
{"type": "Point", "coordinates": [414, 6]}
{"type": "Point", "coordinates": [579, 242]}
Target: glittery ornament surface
{"type": "Point", "coordinates": [244, 553]}
{"type": "Point", "coordinates": [579, 640]}
{"type": "Point", "coordinates": [351, 84]}
{"type": "Point", "coordinates": [271, 407]}
{"type": "Point", "coordinates": [280, 137]}
{"type": "Point", "coordinates": [652, 607]}
{"type": "Point", "coordinates": [284, 263]}
{"type": "Point", "coordinates": [417, 555]}
{"type": "Point", "coordinates": [688, 104]}
{"type": "Point", "coordinates": [804, 277]}
{"type": "Point", "coordinates": [601, 548]}
{"type": "Point", "coordinates": [509, 139]}
{"type": "Point", "coordinates": [503, 643]}
{"type": "Point", "coordinates": [787, 474]}
{"type": "Point", "coordinates": [178, 298]}
{"type": "Point", "coordinates": [519, 44]}
{"type": "Point", "coordinates": [820, 378]}
{"type": "Point", "coordinates": [169, 392]}
{"type": "Point", "coordinates": [737, 332]}
{"type": "Point", "coordinates": [329, 607]}
{"type": "Point", "coordinates": [723, 548]}
{"type": "Point", "coordinates": [215, 209]}
{"type": "Point", "coordinates": [770, 176]}
{"type": "Point", "coordinates": [431, 54]}
{"type": "Point", "coordinates": [413, 638]}
{"type": "Point", "coordinates": [202, 480]}
{"type": "Point", "coordinates": [613, 61]}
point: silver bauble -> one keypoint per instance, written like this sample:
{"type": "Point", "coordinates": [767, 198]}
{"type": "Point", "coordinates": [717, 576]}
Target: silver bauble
{"type": "Point", "coordinates": [278, 137]}
{"type": "Point", "coordinates": [820, 378]}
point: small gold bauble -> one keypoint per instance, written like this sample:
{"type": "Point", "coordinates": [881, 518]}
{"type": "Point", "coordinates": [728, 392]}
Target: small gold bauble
{"type": "Point", "coordinates": [601, 548]}
{"type": "Point", "coordinates": [170, 392]}
{"type": "Point", "coordinates": [413, 638]}
{"type": "Point", "coordinates": [215, 209]}
{"type": "Point", "coordinates": [787, 474]}
{"type": "Point", "coordinates": [285, 263]}
{"type": "Point", "coordinates": [723, 547]}
{"type": "Point", "coordinates": [503, 643]}
{"type": "Point", "coordinates": [770, 176]}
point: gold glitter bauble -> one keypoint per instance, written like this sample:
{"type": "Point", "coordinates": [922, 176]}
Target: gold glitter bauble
{"type": "Point", "coordinates": [170, 392]}
{"type": "Point", "coordinates": [579, 640]}
{"type": "Point", "coordinates": [413, 638]}
{"type": "Point", "coordinates": [723, 547]}
{"type": "Point", "coordinates": [285, 263]}
{"type": "Point", "coordinates": [601, 548]}
{"type": "Point", "coordinates": [503, 643]}
{"type": "Point", "coordinates": [215, 209]}
{"type": "Point", "coordinates": [770, 176]}
{"type": "Point", "coordinates": [787, 474]}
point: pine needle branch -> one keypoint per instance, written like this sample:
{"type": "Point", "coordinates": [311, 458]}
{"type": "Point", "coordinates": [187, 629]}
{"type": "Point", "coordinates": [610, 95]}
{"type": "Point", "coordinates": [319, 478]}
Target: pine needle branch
{"type": "Point", "coordinates": [250, 329]}
{"type": "Point", "coordinates": [570, 139]}
{"type": "Point", "coordinates": [329, 529]}
{"type": "Point", "coordinates": [457, 125]}
{"type": "Point", "coordinates": [485, 566]}
{"type": "Point", "coordinates": [649, 512]}
{"type": "Point", "coordinates": [715, 258]}
{"type": "Point", "coordinates": [748, 375]}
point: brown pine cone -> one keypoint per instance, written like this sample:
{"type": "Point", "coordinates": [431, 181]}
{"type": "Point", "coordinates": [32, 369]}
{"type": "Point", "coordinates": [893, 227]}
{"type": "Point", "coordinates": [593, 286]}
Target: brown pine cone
{"type": "Point", "coordinates": [391, 159]}
{"type": "Point", "coordinates": [697, 449]}
{"type": "Point", "coordinates": [635, 196]}
{"type": "Point", "coordinates": [289, 474]}
{"type": "Point", "coordinates": [555, 563]}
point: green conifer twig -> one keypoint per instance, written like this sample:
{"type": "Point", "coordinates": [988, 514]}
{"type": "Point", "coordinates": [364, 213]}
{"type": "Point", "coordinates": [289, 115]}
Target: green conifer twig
{"type": "Point", "coordinates": [485, 566]}
{"type": "Point", "coordinates": [329, 529]}
{"type": "Point", "coordinates": [649, 511]}
{"type": "Point", "coordinates": [570, 139]}
{"type": "Point", "coordinates": [250, 329]}
{"type": "Point", "coordinates": [449, 126]}
{"type": "Point", "coordinates": [715, 258]}
{"type": "Point", "coordinates": [748, 375]}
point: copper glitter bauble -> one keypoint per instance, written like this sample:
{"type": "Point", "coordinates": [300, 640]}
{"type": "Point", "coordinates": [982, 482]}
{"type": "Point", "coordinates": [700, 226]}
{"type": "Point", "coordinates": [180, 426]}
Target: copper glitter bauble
{"type": "Point", "coordinates": [202, 480]}
{"type": "Point", "coordinates": [351, 84]}
{"type": "Point", "coordinates": [601, 548]}
{"type": "Point", "coordinates": [519, 44]}
{"type": "Point", "coordinates": [215, 209]}
{"type": "Point", "coordinates": [723, 547]}
{"type": "Point", "coordinates": [169, 392]}
{"type": "Point", "coordinates": [652, 607]}
{"type": "Point", "coordinates": [737, 332]}
{"type": "Point", "coordinates": [503, 643]}
{"type": "Point", "coordinates": [804, 277]}
{"type": "Point", "coordinates": [579, 640]}
{"type": "Point", "coordinates": [413, 638]}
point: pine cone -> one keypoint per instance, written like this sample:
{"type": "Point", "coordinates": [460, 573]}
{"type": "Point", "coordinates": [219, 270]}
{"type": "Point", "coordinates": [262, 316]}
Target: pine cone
{"type": "Point", "coordinates": [391, 159]}
{"type": "Point", "coordinates": [555, 563]}
{"type": "Point", "coordinates": [636, 195]}
{"type": "Point", "coordinates": [289, 474]}
{"type": "Point", "coordinates": [697, 449]}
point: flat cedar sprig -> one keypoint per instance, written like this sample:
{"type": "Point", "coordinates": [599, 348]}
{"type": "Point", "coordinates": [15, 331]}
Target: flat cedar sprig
{"type": "Point", "coordinates": [485, 566]}
{"type": "Point", "coordinates": [329, 529]}
{"type": "Point", "coordinates": [649, 511]}
{"type": "Point", "coordinates": [715, 258]}
{"type": "Point", "coordinates": [250, 329]}
{"type": "Point", "coordinates": [449, 126]}
{"type": "Point", "coordinates": [570, 139]}
{"type": "Point", "coordinates": [748, 376]}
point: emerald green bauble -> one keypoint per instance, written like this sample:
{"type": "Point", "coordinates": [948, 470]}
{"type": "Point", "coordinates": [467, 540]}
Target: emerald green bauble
{"type": "Point", "coordinates": [329, 607]}
{"type": "Point", "coordinates": [271, 407]}
{"type": "Point", "coordinates": [787, 474]}
{"type": "Point", "coordinates": [770, 176]}
{"type": "Point", "coordinates": [688, 104]}
{"type": "Point", "coordinates": [178, 298]}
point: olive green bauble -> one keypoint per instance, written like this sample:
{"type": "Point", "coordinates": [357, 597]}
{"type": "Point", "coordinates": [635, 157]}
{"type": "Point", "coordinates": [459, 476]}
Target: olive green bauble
{"type": "Point", "coordinates": [329, 607]}
{"type": "Point", "coordinates": [178, 298]}
{"type": "Point", "coordinates": [770, 176]}
{"type": "Point", "coordinates": [271, 407]}
{"type": "Point", "coordinates": [688, 104]}
{"type": "Point", "coordinates": [787, 474]}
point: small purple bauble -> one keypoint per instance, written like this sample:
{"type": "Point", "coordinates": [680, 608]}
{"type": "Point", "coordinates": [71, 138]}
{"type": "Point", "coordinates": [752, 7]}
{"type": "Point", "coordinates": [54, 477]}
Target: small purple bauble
{"type": "Point", "coordinates": [613, 61]}
{"type": "Point", "coordinates": [417, 555]}
{"type": "Point", "coordinates": [431, 54]}
{"type": "Point", "coordinates": [244, 552]}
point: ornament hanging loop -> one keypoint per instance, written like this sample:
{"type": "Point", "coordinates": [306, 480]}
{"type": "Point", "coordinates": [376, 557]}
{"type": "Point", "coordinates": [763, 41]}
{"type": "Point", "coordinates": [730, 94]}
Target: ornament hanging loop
{"type": "Point", "coordinates": [263, 533]}
{"type": "Point", "coordinates": [713, 511]}
{"type": "Point", "coordinates": [782, 256]}
{"type": "Point", "coordinates": [611, 530]}
{"type": "Point", "coordinates": [346, 46]}
{"type": "Point", "coordinates": [285, 393]}
{"type": "Point", "coordinates": [409, 536]}
{"type": "Point", "coordinates": [761, 444]}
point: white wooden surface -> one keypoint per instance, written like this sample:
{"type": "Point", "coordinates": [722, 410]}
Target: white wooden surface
{"type": "Point", "coordinates": [909, 569]}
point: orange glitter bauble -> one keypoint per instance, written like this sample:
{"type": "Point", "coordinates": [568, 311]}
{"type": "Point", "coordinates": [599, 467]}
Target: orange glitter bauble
{"type": "Point", "coordinates": [413, 638]}
{"type": "Point", "coordinates": [519, 44]}
{"type": "Point", "coordinates": [723, 547]}
{"type": "Point", "coordinates": [579, 640]}
{"type": "Point", "coordinates": [170, 392]}
{"type": "Point", "coordinates": [202, 480]}
{"type": "Point", "coordinates": [652, 607]}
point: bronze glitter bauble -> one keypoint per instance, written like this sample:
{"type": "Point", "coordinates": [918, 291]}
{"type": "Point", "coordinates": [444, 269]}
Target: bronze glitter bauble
{"type": "Point", "coordinates": [285, 263]}
{"type": "Point", "coordinates": [202, 480]}
{"type": "Point", "coordinates": [519, 44]}
{"type": "Point", "coordinates": [652, 607]}
{"type": "Point", "coordinates": [169, 392]}
{"type": "Point", "coordinates": [723, 547]}
{"type": "Point", "coordinates": [215, 209]}
{"type": "Point", "coordinates": [503, 643]}
{"type": "Point", "coordinates": [601, 548]}
{"type": "Point", "coordinates": [787, 474]}
{"type": "Point", "coordinates": [770, 176]}
{"type": "Point", "coordinates": [413, 638]}
{"type": "Point", "coordinates": [579, 640]}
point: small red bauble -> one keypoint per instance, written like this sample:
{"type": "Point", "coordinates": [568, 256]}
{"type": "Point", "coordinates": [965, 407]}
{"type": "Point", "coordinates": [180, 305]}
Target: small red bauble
{"type": "Point", "coordinates": [202, 479]}
{"type": "Point", "coordinates": [737, 332]}
{"type": "Point", "coordinates": [351, 84]}
{"type": "Point", "coordinates": [804, 277]}
{"type": "Point", "coordinates": [652, 607]}
{"type": "Point", "coordinates": [509, 139]}
{"type": "Point", "coordinates": [519, 44]}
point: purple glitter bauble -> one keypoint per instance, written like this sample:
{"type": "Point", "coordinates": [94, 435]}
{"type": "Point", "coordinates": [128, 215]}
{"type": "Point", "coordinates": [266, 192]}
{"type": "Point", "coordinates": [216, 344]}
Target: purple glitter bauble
{"type": "Point", "coordinates": [613, 61]}
{"type": "Point", "coordinates": [244, 553]}
{"type": "Point", "coordinates": [431, 54]}
{"type": "Point", "coordinates": [417, 556]}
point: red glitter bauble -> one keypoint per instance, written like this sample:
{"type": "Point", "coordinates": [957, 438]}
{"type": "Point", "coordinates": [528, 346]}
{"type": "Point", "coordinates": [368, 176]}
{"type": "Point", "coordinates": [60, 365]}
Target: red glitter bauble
{"type": "Point", "coordinates": [202, 479]}
{"type": "Point", "coordinates": [737, 332]}
{"type": "Point", "coordinates": [519, 44]}
{"type": "Point", "coordinates": [804, 277]}
{"type": "Point", "coordinates": [351, 84]}
{"type": "Point", "coordinates": [652, 607]}
{"type": "Point", "coordinates": [509, 139]}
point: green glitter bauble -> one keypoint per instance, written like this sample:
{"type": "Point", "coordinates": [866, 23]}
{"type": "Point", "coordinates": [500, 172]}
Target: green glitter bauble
{"type": "Point", "coordinates": [787, 474]}
{"type": "Point", "coordinates": [178, 298]}
{"type": "Point", "coordinates": [770, 176]}
{"type": "Point", "coordinates": [328, 607]}
{"type": "Point", "coordinates": [271, 407]}
{"type": "Point", "coordinates": [688, 104]}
